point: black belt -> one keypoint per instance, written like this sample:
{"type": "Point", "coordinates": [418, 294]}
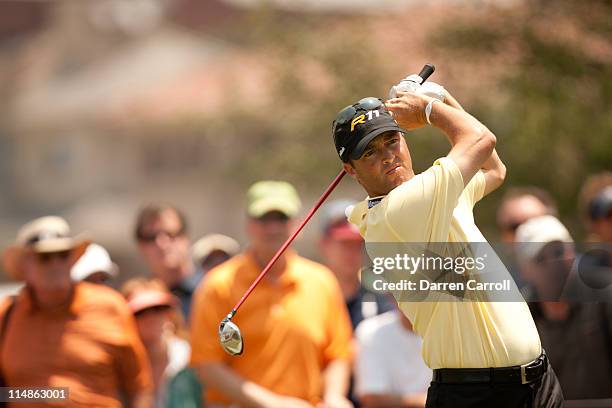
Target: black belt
{"type": "Point", "coordinates": [523, 374]}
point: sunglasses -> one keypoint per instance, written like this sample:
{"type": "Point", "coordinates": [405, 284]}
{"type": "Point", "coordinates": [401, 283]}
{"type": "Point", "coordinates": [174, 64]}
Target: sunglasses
{"type": "Point", "coordinates": [45, 257]}
{"type": "Point", "coordinates": [153, 237]}
{"type": "Point", "coordinates": [152, 310]}
{"type": "Point", "coordinates": [347, 114]}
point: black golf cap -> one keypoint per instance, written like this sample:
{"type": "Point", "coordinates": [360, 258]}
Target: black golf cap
{"type": "Point", "coordinates": [358, 124]}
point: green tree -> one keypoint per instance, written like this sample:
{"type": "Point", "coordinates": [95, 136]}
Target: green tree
{"type": "Point", "coordinates": [554, 127]}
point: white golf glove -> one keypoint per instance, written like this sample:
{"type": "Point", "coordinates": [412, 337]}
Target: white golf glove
{"type": "Point", "coordinates": [412, 84]}
{"type": "Point", "coordinates": [433, 90]}
{"type": "Point", "coordinates": [409, 84]}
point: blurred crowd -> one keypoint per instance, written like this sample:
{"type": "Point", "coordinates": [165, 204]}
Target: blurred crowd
{"type": "Point", "coordinates": [314, 336]}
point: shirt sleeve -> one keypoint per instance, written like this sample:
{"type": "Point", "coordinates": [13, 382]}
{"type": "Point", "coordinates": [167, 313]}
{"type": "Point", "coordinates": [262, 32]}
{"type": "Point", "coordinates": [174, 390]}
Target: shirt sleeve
{"type": "Point", "coordinates": [133, 364]}
{"type": "Point", "coordinates": [339, 329]}
{"type": "Point", "coordinates": [208, 309]}
{"type": "Point", "coordinates": [371, 375]}
{"type": "Point", "coordinates": [421, 209]}
{"type": "Point", "coordinates": [474, 191]}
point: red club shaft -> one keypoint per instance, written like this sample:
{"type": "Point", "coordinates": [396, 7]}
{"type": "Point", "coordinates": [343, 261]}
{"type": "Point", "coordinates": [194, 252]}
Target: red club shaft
{"type": "Point", "coordinates": [282, 249]}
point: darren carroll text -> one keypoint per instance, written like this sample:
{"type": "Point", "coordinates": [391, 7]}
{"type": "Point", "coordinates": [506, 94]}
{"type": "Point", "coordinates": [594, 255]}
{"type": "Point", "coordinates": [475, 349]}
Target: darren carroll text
{"type": "Point", "coordinates": [424, 284]}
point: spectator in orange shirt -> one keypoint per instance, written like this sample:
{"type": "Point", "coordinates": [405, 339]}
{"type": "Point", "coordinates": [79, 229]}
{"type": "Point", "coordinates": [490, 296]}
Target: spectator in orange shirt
{"type": "Point", "coordinates": [296, 328]}
{"type": "Point", "coordinates": [58, 333]}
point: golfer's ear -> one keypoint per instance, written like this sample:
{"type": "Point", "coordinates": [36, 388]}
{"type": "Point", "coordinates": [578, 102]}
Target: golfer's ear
{"type": "Point", "coordinates": [348, 167]}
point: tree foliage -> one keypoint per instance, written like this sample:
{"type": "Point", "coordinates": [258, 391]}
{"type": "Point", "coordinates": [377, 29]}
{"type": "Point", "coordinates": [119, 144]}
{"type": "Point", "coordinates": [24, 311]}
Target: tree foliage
{"type": "Point", "coordinates": [555, 126]}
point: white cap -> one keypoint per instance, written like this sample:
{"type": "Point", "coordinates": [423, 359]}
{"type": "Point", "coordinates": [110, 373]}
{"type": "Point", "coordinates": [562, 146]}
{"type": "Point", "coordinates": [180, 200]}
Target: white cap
{"type": "Point", "coordinates": [95, 259]}
{"type": "Point", "coordinates": [535, 233]}
{"type": "Point", "coordinates": [213, 242]}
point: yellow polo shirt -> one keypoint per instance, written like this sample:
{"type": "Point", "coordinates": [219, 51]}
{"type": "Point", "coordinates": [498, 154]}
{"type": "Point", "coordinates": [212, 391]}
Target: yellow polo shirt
{"type": "Point", "coordinates": [292, 329]}
{"type": "Point", "coordinates": [435, 207]}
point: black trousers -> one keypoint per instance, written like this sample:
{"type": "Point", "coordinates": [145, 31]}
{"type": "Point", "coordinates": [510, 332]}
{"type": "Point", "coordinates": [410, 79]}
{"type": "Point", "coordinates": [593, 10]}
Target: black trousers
{"type": "Point", "coordinates": [545, 393]}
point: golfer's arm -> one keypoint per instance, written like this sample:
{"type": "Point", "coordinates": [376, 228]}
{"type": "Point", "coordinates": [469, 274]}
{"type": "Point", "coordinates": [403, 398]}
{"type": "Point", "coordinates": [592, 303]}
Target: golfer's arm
{"type": "Point", "coordinates": [393, 401]}
{"type": "Point", "coordinates": [495, 173]}
{"type": "Point", "coordinates": [472, 143]}
{"type": "Point", "coordinates": [246, 393]}
{"type": "Point", "coordinates": [336, 378]}
{"type": "Point", "coordinates": [451, 101]}
{"type": "Point", "coordinates": [493, 168]}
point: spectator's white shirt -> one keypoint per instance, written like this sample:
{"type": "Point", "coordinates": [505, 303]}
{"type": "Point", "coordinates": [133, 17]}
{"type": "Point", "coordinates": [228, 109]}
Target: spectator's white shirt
{"type": "Point", "coordinates": [389, 358]}
{"type": "Point", "coordinates": [179, 352]}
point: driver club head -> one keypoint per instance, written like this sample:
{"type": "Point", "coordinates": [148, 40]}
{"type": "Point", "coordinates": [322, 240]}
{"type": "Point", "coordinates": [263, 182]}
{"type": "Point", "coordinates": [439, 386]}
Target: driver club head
{"type": "Point", "coordinates": [230, 338]}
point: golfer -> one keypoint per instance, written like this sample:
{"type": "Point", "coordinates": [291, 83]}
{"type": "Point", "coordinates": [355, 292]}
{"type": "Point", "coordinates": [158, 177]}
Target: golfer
{"type": "Point", "coordinates": [484, 354]}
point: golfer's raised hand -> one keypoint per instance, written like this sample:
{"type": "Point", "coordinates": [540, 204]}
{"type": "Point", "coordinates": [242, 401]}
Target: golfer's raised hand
{"type": "Point", "coordinates": [409, 109]}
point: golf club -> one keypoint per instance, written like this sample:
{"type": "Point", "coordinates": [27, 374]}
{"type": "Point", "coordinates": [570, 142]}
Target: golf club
{"type": "Point", "coordinates": [229, 334]}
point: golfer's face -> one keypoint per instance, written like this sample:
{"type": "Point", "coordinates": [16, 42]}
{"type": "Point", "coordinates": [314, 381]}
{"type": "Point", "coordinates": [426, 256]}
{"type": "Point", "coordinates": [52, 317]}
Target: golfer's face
{"type": "Point", "coordinates": [384, 165]}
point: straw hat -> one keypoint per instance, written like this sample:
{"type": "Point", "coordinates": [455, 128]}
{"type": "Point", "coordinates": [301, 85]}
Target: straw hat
{"type": "Point", "coordinates": [45, 234]}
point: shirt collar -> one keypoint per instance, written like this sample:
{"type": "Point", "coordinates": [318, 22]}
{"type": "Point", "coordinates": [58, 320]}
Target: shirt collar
{"type": "Point", "coordinates": [288, 277]}
{"type": "Point", "coordinates": [374, 201]}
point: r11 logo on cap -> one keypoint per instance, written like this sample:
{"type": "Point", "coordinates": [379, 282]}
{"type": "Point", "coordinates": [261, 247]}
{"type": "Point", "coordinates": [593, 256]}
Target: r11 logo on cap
{"type": "Point", "coordinates": [362, 118]}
